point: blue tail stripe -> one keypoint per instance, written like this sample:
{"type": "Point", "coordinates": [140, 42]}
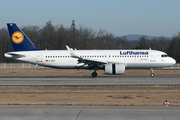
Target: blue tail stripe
{"type": "Point", "coordinates": [19, 40]}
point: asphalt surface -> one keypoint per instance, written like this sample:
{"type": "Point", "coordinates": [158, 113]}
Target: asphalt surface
{"type": "Point", "coordinates": [30, 112]}
{"type": "Point", "coordinates": [89, 81]}
{"type": "Point", "coordinates": [9, 112]}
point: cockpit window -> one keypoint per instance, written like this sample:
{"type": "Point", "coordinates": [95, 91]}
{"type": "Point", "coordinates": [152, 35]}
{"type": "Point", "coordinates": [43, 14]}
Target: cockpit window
{"type": "Point", "coordinates": [164, 55]}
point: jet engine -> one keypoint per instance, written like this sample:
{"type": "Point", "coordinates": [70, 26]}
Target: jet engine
{"type": "Point", "coordinates": [115, 68]}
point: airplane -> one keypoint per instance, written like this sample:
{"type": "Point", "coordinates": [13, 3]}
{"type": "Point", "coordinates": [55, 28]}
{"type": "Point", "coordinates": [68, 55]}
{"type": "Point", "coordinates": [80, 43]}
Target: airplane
{"type": "Point", "coordinates": [113, 62]}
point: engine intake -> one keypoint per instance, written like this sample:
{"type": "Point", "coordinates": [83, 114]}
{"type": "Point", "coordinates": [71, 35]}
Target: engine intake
{"type": "Point", "coordinates": [115, 68]}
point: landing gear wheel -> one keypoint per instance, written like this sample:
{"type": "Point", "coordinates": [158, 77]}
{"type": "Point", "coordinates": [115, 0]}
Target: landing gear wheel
{"type": "Point", "coordinates": [94, 74]}
{"type": "Point", "coordinates": [152, 75]}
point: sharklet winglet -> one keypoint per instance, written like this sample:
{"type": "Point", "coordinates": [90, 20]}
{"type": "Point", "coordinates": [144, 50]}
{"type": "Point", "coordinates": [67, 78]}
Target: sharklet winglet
{"type": "Point", "coordinates": [71, 52]}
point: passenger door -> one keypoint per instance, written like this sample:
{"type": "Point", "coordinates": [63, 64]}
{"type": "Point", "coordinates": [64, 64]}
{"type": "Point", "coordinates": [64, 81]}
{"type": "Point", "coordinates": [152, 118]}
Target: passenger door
{"type": "Point", "coordinates": [39, 57]}
{"type": "Point", "coordinates": [153, 57]}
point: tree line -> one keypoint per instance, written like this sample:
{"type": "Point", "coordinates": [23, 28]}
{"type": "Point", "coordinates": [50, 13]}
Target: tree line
{"type": "Point", "coordinates": [52, 37]}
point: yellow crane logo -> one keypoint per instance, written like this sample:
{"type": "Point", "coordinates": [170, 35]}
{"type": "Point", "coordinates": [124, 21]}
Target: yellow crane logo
{"type": "Point", "coordinates": [17, 37]}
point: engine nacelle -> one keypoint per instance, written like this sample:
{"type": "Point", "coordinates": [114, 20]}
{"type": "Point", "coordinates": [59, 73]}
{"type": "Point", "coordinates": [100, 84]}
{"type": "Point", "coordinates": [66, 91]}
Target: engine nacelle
{"type": "Point", "coordinates": [115, 68]}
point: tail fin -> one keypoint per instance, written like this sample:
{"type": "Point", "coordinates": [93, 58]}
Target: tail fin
{"type": "Point", "coordinates": [19, 40]}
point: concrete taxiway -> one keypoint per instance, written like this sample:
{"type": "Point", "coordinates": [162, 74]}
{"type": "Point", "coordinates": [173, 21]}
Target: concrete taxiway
{"type": "Point", "coordinates": [9, 112]}
{"type": "Point", "coordinates": [89, 81]}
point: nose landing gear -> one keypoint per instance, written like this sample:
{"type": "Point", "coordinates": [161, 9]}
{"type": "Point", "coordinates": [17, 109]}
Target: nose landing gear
{"type": "Point", "coordinates": [152, 74]}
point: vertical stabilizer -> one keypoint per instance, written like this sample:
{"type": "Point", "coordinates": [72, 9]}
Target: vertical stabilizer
{"type": "Point", "coordinates": [19, 40]}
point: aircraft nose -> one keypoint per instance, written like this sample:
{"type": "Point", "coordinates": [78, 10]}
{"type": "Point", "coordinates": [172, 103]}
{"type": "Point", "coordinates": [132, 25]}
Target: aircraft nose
{"type": "Point", "coordinates": [173, 61]}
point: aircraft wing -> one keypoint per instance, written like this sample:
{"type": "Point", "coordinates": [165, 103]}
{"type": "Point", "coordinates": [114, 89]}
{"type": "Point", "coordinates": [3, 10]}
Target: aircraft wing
{"type": "Point", "coordinates": [91, 61]}
{"type": "Point", "coordinates": [87, 61]}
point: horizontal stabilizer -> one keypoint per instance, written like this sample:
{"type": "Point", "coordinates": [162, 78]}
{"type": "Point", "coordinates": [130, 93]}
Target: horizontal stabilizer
{"type": "Point", "coordinates": [13, 55]}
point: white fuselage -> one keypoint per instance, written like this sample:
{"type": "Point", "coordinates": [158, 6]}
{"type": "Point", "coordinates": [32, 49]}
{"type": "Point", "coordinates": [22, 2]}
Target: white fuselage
{"type": "Point", "coordinates": [62, 58]}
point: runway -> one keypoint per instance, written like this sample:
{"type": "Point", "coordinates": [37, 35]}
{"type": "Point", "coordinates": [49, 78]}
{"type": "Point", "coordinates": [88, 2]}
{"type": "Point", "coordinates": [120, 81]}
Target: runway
{"type": "Point", "coordinates": [88, 113]}
{"type": "Point", "coordinates": [5, 81]}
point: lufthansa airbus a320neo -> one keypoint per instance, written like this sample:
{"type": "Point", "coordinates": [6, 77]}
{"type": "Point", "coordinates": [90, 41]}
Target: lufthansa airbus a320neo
{"type": "Point", "coordinates": [111, 61]}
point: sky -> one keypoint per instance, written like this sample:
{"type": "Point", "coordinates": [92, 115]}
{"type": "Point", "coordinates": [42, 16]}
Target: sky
{"type": "Point", "coordinates": [119, 17]}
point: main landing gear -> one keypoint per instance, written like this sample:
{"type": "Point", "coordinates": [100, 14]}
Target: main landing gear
{"type": "Point", "coordinates": [94, 74]}
{"type": "Point", "coordinates": [152, 74]}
